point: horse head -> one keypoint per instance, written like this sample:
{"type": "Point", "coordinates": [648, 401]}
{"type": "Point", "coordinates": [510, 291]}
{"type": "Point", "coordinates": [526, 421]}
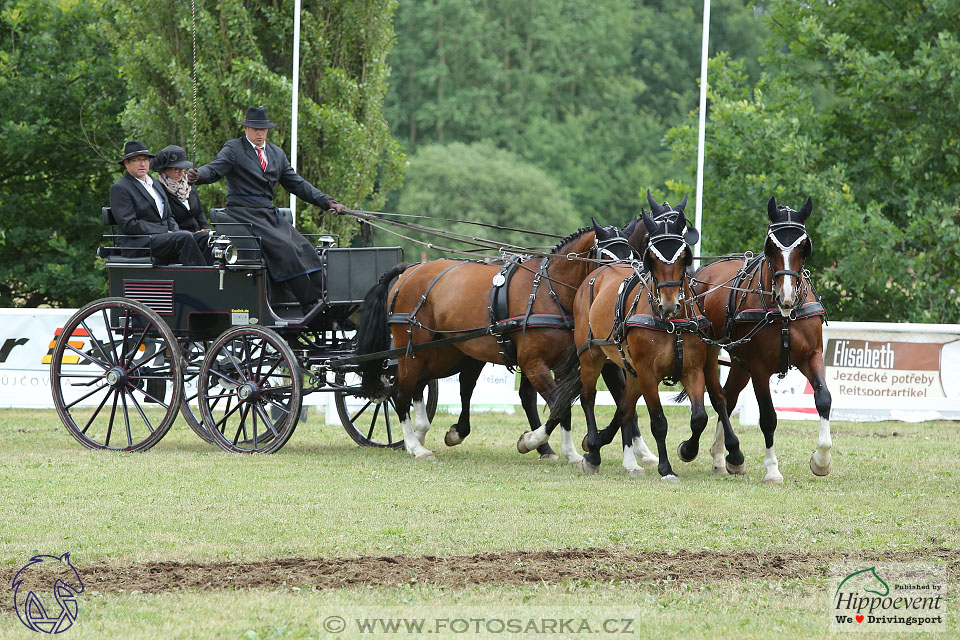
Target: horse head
{"type": "Point", "coordinates": [668, 240]}
{"type": "Point", "coordinates": [613, 243]}
{"type": "Point", "coordinates": [43, 575]}
{"type": "Point", "coordinates": [786, 246]}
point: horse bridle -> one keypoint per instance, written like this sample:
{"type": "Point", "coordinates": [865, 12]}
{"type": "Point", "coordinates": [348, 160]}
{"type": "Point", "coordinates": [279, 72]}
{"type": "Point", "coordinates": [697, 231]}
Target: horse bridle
{"type": "Point", "coordinates": [772, 231]}
{"type": "Point", "coordinates": [601, 248]}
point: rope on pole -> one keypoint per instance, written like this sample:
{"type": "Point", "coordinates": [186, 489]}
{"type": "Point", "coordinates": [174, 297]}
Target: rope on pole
{"type": "Point", "coordinates": [193, 15]}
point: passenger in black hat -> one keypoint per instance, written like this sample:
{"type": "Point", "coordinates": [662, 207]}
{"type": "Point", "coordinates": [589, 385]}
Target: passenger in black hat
{"type": "Point", "coordinates": [142, 211]}
{"type": "Point", "coordinates": [252, 168]}
{"type": "Point", "coordinates": [170, 165]}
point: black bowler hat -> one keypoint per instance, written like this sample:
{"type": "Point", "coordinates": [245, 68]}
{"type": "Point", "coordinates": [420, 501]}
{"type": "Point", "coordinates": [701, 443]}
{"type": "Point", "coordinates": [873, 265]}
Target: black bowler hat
{"type": "Point", "coordinates": [134, 148]}
{"type": "Point", "coordinates": [172, 157]}
{"type": "Point", "coordinates": [257, 119]}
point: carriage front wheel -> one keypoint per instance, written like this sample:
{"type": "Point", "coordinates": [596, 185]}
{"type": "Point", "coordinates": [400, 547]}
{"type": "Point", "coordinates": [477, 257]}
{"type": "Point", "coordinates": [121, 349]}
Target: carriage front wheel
{"type": "Point", "coordinates": [372, 423]}
{"type": "Point", "coordinates": [249, 376]}
{"type": "Point", "coordinates": [116, 376]}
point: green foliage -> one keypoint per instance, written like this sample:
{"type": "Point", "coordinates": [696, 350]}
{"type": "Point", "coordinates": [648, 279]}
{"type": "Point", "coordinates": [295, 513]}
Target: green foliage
{"type": "Point", "coordinates": [244, 57]}
{"type": "Point", "coordinates": [480, 183]}
{"type": "Point", "coordinates": [585, 91]}
{"type": "Point", "coordinates": [59, 101]}
{"type": "Point", "coordinates": [859, 112]}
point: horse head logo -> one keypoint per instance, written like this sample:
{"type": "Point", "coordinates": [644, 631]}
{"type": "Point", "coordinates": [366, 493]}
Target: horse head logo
{"type": "Point", "coordinates": [868, 580]}
{"type": "Point", "coordinates": [37, 579]}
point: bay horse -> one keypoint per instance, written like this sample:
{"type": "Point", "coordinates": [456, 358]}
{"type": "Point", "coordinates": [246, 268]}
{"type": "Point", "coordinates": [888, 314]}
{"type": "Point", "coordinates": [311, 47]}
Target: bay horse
{"type": "Point", "coordinates": [514, 312]}
{"type": "Point", "coordinates": [641, 317]}
{"type": "Point", "coordinates": [766, 312]}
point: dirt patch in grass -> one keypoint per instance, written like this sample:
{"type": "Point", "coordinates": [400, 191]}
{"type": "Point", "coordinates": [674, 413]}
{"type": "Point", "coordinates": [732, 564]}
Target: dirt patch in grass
{"type": "Point", "coordinates": [511, 568]}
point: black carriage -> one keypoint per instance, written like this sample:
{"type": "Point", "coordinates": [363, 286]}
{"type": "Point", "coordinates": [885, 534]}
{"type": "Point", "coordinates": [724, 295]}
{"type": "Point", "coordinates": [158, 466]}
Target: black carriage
{"type": "Point", "coordinates": [223, 346]}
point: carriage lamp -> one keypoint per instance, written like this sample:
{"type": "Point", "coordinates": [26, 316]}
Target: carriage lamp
{"type": "Point", "coordinates": [328, 242]}
{"type": "Point", "coordinates": [224, 251]}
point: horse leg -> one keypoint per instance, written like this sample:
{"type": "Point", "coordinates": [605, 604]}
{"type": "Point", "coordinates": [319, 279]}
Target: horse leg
{"type": "Point", "coordinates": [813, 370]}
{"type": "Point", "coordinates": [469, 374]}
{"type": "Point", "coordinates": [528, 400]}
{"type": "Point", "coordinates": [768, 424]}
{"type": "Point", "coordinates": [658, 426]}
{"type": "Point", "coordinates": [616, 380]}
{"type": "Point", "coordinates": [693, 384]}
{"type": "Point", "coordinates": [538, 377]}
{"type": "Point", "coordinates": [421, 421]}
{"type": "Point", "coordinates": [589, 373]}
{"type": "Point", "coordinates": [408, 371]}
{"type": "Point", "coordinates": [627, 409]}
{"type": "Point", "coordinates": [735, 464]}
{"type": "Point", "coordinates": [736, 381]}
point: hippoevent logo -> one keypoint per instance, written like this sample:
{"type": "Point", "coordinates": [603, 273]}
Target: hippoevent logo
{"type": "Point", "coordinates": [901, 597]}
{"type": "Point", "coordinates": [45, 594]}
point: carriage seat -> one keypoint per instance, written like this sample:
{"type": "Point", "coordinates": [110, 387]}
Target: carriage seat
{"type": "Point", "coordinates": [117, 254]}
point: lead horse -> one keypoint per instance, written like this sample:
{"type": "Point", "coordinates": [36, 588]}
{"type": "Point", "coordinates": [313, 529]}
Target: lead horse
{"type": "Point", "coordinates": [512, 312]}
{"type": "Point", "coordinates": [767, 314]}
{"type": "Point", "coordinates": [640, 315]}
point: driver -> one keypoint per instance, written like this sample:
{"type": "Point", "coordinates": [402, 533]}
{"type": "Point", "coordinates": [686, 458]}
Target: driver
{"type": "Point", "coordinates": [252, 167]}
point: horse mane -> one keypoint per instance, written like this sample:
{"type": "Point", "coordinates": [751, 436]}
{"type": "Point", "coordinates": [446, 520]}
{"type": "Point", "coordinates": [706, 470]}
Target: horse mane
{"type": "Point", "coordinates": [570, 238]}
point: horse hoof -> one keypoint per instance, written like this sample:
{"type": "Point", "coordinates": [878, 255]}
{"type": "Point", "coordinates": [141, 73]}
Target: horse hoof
{"type": "Point", "coordinates": [682, 457]}
{"type": "Point", "coordinates": [777, 479]}
{"type": "Point", "coordinates": [636, 473]}
{"type": "Point", "coordinates": [583, 444]}
{"type": "Point", "coordinates": [428, 456]}
{"type": "Point", "coordinates": [452, 438]}
{"type": "Point", "coordinates": [670, 478]}
{"type": "Point", "coordinates": [818, 470]}
{"type": "Point", "coordinates": [522, 445]}
{"type": "Point", "coordinates": [737, 469]}
{"type": "Point", "coordinates": [720, 470]}
{"type": "Point", "coordinates": [588, 468]}
{"type": "Point", "coordinates": [549, 456]}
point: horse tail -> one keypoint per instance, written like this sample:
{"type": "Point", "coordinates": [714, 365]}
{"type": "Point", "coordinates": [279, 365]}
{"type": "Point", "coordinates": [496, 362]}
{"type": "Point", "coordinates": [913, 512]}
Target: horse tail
{"type": "Point", "coordinates": [680, 397]}
{"type": "Point", "coordinates": [373, 334]}
{"type": "Point", "coordinates": [568, 387]}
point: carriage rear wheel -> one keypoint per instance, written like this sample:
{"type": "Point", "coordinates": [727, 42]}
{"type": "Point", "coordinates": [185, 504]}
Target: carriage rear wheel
{"type": "Point", "coordinates": [193, 354]}
{"type": "Point", "coordinates": [249, 375]}
{"type": "Point", "coordinates": [370, 423]}
{"type": "Point", "coordinates": [116, 376]}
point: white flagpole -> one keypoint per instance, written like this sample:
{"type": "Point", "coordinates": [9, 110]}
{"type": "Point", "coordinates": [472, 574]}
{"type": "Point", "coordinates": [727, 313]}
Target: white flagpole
{"type": "Point", "coordinates": [296, 100]}
{"type": "Point", "coordinates": [701, 135]}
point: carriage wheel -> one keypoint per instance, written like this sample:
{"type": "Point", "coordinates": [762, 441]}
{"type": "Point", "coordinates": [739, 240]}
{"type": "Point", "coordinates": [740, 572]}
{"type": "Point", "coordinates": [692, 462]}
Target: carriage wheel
{"type": "Point", "coordinates": [116, 376]}
{"type": "Point", "coordinates": [248, 372]}
{"type": "Point", "coordinates": [193, 354]}
{"type": "Point", "coordinates": [371, 423]}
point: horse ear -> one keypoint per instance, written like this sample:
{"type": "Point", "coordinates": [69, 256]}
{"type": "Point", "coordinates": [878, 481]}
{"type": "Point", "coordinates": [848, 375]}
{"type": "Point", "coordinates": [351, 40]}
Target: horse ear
{"type": "Point", "coordinates": [683, 204]}
{"type": "Point", "coordinates": [596, 227]}
{"type": "Point", "coordinates": [654, 206]}
{"type": "Point", "coordinates": [65, 557]}
{"type": "Point", "coordinates": [649, 223]}
{"type": "Point", "coordinates": [772, 211]}
{"type": "Point", "coordinates": [806, 210]}
{"type": "Point", "coordinates": [628, 230]}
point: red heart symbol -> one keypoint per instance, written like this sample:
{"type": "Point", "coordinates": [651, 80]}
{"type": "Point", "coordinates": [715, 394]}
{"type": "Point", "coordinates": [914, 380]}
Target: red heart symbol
{"type": "Point", "coordinates": [859, 618]}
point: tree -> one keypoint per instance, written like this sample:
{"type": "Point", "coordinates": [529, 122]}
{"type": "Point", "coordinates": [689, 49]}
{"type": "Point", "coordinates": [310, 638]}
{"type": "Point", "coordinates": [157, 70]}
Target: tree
{"type": "Point", "coordinates": [480, 183]}
{"type": "Point", "coordinates": [245, 57]}
{"type": "Point", "coordinates": [879, 152]}
{"type": "Point", "coordinates": [59, 99]}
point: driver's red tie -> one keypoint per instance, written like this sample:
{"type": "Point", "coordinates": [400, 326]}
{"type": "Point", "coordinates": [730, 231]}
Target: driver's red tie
{"type": "Point", "coordinates": [263, 158]}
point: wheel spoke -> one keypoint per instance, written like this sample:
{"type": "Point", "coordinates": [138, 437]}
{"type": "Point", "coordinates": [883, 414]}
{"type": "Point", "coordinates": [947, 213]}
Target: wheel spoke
{"type": "Point", "coordinates": [266, 420]}
{"type": "Point", "coordinates": [95, 342]}
{"type": "Point", "coordinates": [126, 417]}
{"type": "Point", "coordinates": [113, 412]}
{"type": "Point", "coordinates": [142, 414]}
{"type": "Point", "coordinates": [243, 424]}
{"type": "Point", "coordinates": [386, 417]}
{"type": "Point", "coordinates": [354, 417]}
{"type": "Point", "coordinates": [96, 411]}
{"type": "Point", "coordinates": [373, 422]}
{"type": "Point", "coordinates": [84, 397]}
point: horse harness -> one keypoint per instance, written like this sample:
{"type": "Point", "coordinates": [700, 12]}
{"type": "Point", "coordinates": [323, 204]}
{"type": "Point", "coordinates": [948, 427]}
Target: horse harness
{"type": "Point", "coordinates": [760, 318]}
{"type": "Point", "coordinates": [622, 323]}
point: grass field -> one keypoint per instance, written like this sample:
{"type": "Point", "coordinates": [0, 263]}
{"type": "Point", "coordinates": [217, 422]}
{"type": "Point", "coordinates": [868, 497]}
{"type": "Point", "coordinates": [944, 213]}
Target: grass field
{"type": "Point", "coordinates": [892, 494]}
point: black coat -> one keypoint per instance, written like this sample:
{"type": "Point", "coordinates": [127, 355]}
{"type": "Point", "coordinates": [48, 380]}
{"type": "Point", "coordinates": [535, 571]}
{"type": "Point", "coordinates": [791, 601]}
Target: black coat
{"type": "Point", "coordinates": [250, 201]}
{"type": "Point", "coordinates": [136, 212]}
{"type": "Point", "coordinates": [191, 219]}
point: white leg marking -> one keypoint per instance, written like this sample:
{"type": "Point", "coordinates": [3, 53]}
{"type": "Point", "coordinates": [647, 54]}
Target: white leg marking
{"type": "Point", "coordinates": [412, 442]}
{"type": "Point", "coordinates": [567, 448]}
{"type": "Point", "coordinates": [630, 462]}
{"type": "Point", "coordinates": [530, 440]}
{"type": "Point", "coordinates": [772, 466]}
{"type": "Point", "coordinates": [647, 458]}
{"type": "Point", "coordinates": [820, 460]}
{"type": "Point", "coordinates": [420, 421]}
{"type": "Point", "coordinates": [717, 450]}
